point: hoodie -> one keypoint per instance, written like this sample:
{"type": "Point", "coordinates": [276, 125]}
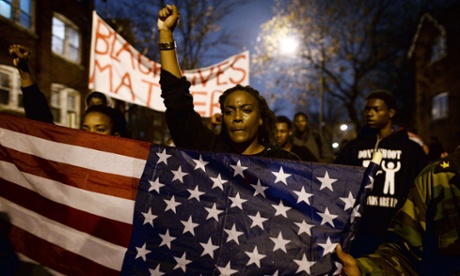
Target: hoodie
{"type": "Point", "coordinates": [402, 160]}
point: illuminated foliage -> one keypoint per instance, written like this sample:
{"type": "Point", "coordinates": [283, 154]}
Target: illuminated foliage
{"type": "Point", "coordinates": [354, 46]}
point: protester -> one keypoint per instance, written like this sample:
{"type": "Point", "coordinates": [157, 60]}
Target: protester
{"type": "Point", "coordinates": [435, 149]}
{"type": "Point", "coordinates": [248, 124]}
{"type": "Point", "coordinates": [96, 98]}
{"type": "Point", "coordinates": [35, 103]}
{"type": "Point", "coordinates": [402, 160]}
{"type": "Point", "coordinates": [417, 139]}
{"type": "Point", "coordinates": [284, 140]}
{"type": "Point", "coordinates": [102, 119]}
{"type": "Point", "coordinates": [314, 141]}
{"type": "Point", "coordinates": [424, 237]}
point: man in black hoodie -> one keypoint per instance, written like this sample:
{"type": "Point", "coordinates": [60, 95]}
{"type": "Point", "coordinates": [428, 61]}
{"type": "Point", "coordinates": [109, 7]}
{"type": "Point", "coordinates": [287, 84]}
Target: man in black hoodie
{"type": "Point", "coordinates": [402, 160]}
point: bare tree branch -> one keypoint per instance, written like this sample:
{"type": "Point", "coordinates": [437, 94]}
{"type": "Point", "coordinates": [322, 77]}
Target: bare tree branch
{"type": "Point", "coordinates": [356, 45]}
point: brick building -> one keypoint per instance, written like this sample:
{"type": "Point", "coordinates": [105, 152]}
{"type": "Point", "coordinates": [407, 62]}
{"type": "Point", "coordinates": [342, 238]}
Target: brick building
{"type": "Point", "coordinates": [59, 34]}
{"type": "Point", "coordinates": [436, 55]}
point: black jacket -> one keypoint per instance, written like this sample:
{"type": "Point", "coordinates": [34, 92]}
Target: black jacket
{"type": "Point", "coordinates": [35, 104]}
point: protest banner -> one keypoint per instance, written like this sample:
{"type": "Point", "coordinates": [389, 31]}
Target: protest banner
{"type": "Point", "coordinates": [120, 71]}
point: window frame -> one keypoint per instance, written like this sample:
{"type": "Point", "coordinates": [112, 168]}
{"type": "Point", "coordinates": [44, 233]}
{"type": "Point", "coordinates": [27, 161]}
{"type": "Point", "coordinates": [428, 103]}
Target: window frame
{"type": "Point", "coordinates": [16, 12]}
{"type": "Point", "coordinates": [15, 92]}
{"type": "Point", "coordinates": [69, 26]}
{"type": "Point", "coordinates": [438, 48]}
{"type": "Point", "coordinates": [65, 112]}
{"type": "Point", "coordinates": [440, 106]}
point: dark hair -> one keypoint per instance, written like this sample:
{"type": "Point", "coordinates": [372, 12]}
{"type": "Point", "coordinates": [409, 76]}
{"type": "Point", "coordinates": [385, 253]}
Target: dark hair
{"type": "Point", "coordinates": [117, 119]}
{"type": "Point", "coordinates": [301, 114]}
{"type": "Point", "coordinates": [384, 95]}
{"type": "Point", "coordinates": [97, 95]}
{"type": "Point", "coordinates": [267, 129]}
{"type": "Point", "coordinates": [284, 119]}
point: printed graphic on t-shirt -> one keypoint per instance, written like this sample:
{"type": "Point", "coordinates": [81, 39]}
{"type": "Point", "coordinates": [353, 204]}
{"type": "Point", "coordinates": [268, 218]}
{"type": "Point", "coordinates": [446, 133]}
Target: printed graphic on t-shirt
{"type": "Point", "coordinates": [390, 165]}
{"type": "Point", "coordinates": [390, 170]}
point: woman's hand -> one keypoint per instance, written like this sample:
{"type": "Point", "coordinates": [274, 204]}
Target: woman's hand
{"type": "Point", "coordinates": [168, 18]}
{"type": "Point", "coordinates": [350, 268]}
{"type": "Point", "coordinates": [216, 119]}
{"type": "Point", "coordinates": [21, 56]}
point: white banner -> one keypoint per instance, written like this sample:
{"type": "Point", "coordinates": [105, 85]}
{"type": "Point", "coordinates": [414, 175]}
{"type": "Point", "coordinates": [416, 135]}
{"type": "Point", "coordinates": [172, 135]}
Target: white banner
{"type": "Point", "coordinates": [121, 72]}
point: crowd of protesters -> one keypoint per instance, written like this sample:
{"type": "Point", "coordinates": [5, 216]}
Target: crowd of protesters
{"type": "Point", "coordinates": [411, 222]}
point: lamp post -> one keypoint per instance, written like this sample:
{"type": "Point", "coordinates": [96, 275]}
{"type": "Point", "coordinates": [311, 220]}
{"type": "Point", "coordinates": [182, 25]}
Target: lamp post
{"type": "Point", "coordinates": [321, 100]}
{"type": "Point", "coordinates": [288, 45]}
{"type": "Point", "coordinates": [321, 87]}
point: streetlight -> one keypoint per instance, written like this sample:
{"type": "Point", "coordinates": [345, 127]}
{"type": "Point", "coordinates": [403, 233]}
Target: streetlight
{"type": "Point", "coordinates": [288, 45]}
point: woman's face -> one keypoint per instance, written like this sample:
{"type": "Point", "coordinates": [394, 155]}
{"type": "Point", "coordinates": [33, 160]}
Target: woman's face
{"type": "Point", "coordinates": [241, 117]}
{"type": "Point", "coordinates": [98, 123]}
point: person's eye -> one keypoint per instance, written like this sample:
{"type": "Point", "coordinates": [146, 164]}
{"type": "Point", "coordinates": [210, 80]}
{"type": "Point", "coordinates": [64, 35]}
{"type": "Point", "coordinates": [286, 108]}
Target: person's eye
{"type": "Point", "coordinates": [100, 129]}
{"type": "Point", "coordinates": [228, 112]}
{"type": "Point", "coordinates": [247, 110]}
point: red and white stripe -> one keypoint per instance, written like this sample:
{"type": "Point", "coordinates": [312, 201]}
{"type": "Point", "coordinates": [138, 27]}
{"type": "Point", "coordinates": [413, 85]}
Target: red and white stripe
{"type": "Point", "coordinates": [69, 195]}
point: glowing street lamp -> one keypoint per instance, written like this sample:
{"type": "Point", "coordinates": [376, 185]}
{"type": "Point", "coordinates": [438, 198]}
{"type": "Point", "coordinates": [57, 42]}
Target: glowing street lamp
{"type": "Point", "coordinates": [288, 45]}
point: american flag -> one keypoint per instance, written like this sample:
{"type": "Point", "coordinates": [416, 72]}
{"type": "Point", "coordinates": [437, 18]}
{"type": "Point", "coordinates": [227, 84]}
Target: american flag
{"type": "Point", "coordinates": [67, 195]}
{"type": "Point", "coordinates": [86, 204]}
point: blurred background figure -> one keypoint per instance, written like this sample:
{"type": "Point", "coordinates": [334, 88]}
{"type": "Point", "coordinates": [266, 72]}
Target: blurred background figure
{"type": "Point", "coordinates": [416, 138]}
{"type": "Point", "coordinates": [284, 140]}
{"type": "Point", "coordinates": [311, 139]}
{"type": "Point", "coordinates": [95, 98]}
{"type": "Point", "coordinates": [436, 149]}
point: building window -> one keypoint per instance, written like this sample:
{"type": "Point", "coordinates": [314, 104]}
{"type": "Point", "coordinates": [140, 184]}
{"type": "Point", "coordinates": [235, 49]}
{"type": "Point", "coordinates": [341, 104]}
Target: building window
{"type": "Point", "coordinates": [65, 105]}
{"type": "Point", "coordinates": [4, 88]}
{"type": "Point", "coordinates": [440, 106]}
{"type": "Point", "coordinates": [18, 11]}
{"type": "Point", "coordinates": [438, 49]}
{"type": "Point", "coordinates": [66, 38]}
{"type": "Point", "coordinates": [10, 89]}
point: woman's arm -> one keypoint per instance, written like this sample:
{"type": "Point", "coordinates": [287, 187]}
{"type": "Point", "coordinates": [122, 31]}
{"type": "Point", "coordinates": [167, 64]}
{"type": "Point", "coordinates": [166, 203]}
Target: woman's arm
{"type": "Point", "coordinates": [185, 125]}
{"type": "Point", "coordinates": [21, 57]}
{"type": "Point", "coordinates": [168, 18]}
{"type": "Point", "coordinates": [35, 103]}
